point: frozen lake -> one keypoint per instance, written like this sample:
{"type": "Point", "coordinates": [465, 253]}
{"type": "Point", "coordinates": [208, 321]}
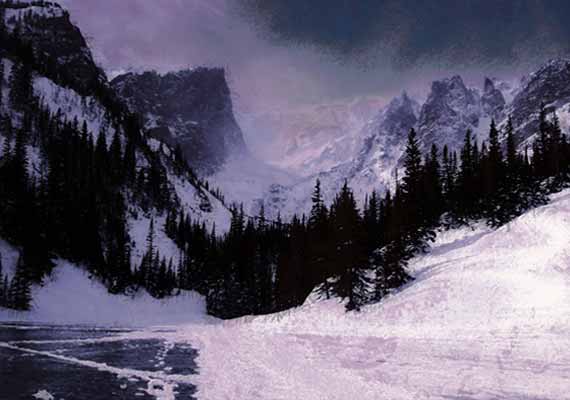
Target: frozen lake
{"type": "Point", "coordinates": [87, 363]}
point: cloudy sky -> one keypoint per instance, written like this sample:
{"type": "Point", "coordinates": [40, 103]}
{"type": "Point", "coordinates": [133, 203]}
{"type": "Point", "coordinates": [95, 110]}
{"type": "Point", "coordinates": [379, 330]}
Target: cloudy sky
{"type": "Point", "coordinates": [281, 54]}
{"type": "Point", "coordinates": [290, 51]}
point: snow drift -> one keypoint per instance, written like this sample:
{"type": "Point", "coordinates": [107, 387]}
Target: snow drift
{"type": "Point", "coordinates": [69, 296]}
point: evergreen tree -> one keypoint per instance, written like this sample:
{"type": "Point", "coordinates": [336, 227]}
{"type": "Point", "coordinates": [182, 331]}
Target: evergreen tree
{"type": "Point", "coordinates": [149, 258]}
{"type": "Point", "coordinates": [372, 221]}
{"type": "Point", "coordinates": [541, 150]}
{"type": "Point", "coordinates": [320, 240]}
{"type": "Point", "coordinates": [21, 89]}
{"type": "Point", "coordinates": [2, 292]}
{"type": "Point", "coordinates": [1, 76]}
{"type": "Point", "coordinates": [20, 291]}
{"type": "Point", "coordinates": [511, 157]}
{"type": "Point", "coordinates": [448, 177]}
{"type": "Point", "coordinates": [116, 159]}
{"type": "Point", "coordinates": [466, 185]}
{"type": "Point", "coordinates": [412, 166]}
{"type": "Point", "coordinates": [495, 155]}
{"type": "Point", "coordinates": [351, 265]}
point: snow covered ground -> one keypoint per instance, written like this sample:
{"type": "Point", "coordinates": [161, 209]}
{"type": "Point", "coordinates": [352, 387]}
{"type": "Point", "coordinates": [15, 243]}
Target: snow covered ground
{"type": "Point", "coordinates": [70, 297]}
{"type": "Point", "coordinates": [488, 317]}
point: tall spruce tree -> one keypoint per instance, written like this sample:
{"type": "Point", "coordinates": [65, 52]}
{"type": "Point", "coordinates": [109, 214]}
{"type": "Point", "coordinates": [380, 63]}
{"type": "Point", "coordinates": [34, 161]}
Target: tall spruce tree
{"type": "Point", "coordinates": [495, 153]}
{"type": "Point", "coordinates": [511, 156]}
{"type": "Point", "coordinates": [20, 291]}
{"type": "Point", "coordinates": [351, 280]}
{"type": "Point", "coordinates": [2, 292]}
{"type": "Point", "coordinates": [1, 79]}
{"type": "Point", "coordinates": [318, 230]}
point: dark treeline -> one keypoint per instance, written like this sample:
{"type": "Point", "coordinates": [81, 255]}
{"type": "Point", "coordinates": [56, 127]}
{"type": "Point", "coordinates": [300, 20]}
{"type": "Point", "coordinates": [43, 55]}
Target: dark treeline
{"type": "Point", "coordinates": [361, 255]}
{"type": "Point", "coordinates": [65, 191]}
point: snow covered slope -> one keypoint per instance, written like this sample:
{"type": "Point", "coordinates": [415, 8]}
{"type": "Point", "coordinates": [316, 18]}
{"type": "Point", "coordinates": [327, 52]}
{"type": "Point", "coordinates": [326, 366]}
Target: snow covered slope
{"type": "Point", "coordinates": [473, 281]}
{"type": "Point", "coordinates": [78, 97]}
{"type": "Point", "coordinates": [488, 317]}
{"type": "Point", "coordinates": [71, 297]}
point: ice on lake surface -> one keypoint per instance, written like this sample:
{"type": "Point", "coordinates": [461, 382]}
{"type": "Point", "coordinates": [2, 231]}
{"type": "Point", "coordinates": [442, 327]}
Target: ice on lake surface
{"type": "Point", "coordinates": [84, 363]}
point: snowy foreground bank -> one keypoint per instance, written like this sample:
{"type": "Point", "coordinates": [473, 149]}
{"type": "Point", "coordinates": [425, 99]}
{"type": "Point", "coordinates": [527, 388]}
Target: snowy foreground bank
{"type": "Point", "coordinates": [488, 317]}
{"type": "Point", "coordinates": [70, 297]}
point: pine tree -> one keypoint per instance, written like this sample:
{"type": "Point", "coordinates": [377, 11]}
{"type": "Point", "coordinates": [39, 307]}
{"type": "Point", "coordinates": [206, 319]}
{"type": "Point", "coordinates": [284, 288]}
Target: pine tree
{"type": "Point", "coordinates": [6, 290]}
{"type": "Point", "coordinates": [1, 78]}
{"type": "Point", "coordinates": [21, 89]}
{"type": "Point", "coordinates": [351, 272]}
{"type": "Point", "coordinates": [20, 291]}
{"type": "Point", "coordinates": [448, 177]}
{"type": "Point", "coordinates": [6, 128]}
{"type": "Point", "coordinates": [495, 153]}
{"type": "Point", "coordinates": [372, 221]}
{"type": "Point", "coordinates": [541, 151]}
{"type": "Point", "coordinates": [511, 158]}
{"type": "Point", "coordinates": [319, 239]}
{"type": "Point", "coordinates": [148, 260]}
{"type": "Point", "coordinates": [466, 194]}
{"type": "Point", "coordinates": [116, 159]}
{"type": "Point", "coordinates": [129, 161]}
{"type": "Point", "coordinates": [555, 155]}
{"type": "Point", "coordinates": [318, 208]}
{"type": "Point", "coordinates": [2, 292]}
{"type": "Point", "coordinates": [412, 166]}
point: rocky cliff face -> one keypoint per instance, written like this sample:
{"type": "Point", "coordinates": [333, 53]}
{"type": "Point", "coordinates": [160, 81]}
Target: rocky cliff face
{"type": "Point", "coordinates": [383, 140]}
{"type": "Point", "coordinates": [67, 81]}
{"type": "Point", "coordinates": [47, 27]}
{"type": "Point", "coordinates": [449, 111]}
{"type": "Point", "coordinates": [549, 85]}
{"type": "Point", "coordinates": [191, 108]}
{"type": "Point", "coordinates": [493, 101]}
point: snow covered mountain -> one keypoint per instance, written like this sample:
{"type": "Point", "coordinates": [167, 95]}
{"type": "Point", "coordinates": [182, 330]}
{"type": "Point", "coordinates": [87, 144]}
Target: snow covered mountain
{"type": "Point", "coordinates": [48, 27]}
{"type": "Point", "coordinates": [452, 108]}
{"type": "Point", "coordinates": [67, 82]}
{"type": "Point", "coordinates": [191, 108]}
{"type": "Point", "coordinates": [367, 157]}
{"type": "Point", "coordinates": [370, 163]}
{"type": "Point", "coordinates": [550, 85]}
{"type": "Point", "coordinates": [310, 139]}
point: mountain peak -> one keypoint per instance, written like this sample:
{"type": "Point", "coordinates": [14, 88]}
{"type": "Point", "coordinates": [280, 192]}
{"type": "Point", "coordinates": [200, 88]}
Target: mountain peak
{"type": "Point", "coordinates": [450, 109]}
{"type": "Point", "coordinates": [488, 85]}
{"type": "Point", "coordinates": [493, 102]}
{"type": "Point", "coordinates": [47, 26]}
{"type": "Point", "coordinates": [549, 84]}
{"type": "Point", "coordinates": [400, 102]}
{"type": "Point", "coordinates": [553, 65]}
{"type": "Point", "coordinates": [191, 108]}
